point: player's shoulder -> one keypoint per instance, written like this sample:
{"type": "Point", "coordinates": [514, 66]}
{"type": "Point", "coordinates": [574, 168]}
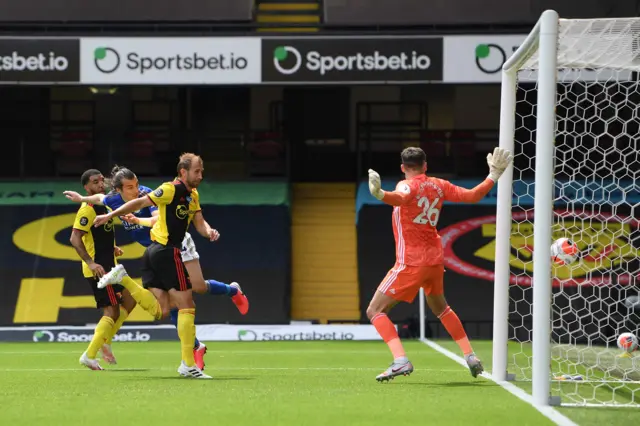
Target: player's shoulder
{"type": "Point", "coordinates": [195, 194]}
{"type": "Point", "coordinates": [404, 186]}
{"type": "Point", "coordinates": [144, 190]}
{"type": "Point", "coordinates": [86, 207]}
{"type": "Point", "coordinates": [112, 199]}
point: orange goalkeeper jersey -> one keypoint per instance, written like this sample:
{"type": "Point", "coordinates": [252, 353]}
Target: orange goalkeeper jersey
{"type": "Point", "coordinates": [417, 206]}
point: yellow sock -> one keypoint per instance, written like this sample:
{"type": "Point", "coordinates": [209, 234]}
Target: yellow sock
{"type": "Point", "coordinates": [187, 334]}
{"type": "Point", "coordinates": [99, 336]}
{"type": "Point", "coordinates": [143, 297]}
{"type": "Point", "coordinates": [116, 326]}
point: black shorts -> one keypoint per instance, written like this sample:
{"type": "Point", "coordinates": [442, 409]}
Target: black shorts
{"type": "Point", "coordinates": [162, 268]}
{"type": "Point", "coordinates": [111, 295]}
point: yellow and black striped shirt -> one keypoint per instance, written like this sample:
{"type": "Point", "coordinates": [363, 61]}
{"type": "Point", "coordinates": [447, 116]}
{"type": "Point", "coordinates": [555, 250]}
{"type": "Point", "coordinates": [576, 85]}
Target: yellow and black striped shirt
{"type": "Point", "coordinates": [176, 207]}
{"type": "Point", "coordinates": [100, 241]}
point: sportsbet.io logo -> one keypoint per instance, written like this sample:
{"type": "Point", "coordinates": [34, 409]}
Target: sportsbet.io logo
{"type": "Point", "coordinates": [287, 60]}
{"type": "Point", "coordinates": [107, 59]}
{"type": "Point", "coordinates": [491, 57]}
{"type": "Point", "coordinates": [247, 335]}
{"type": "Point", "coordinates": [43, 336]}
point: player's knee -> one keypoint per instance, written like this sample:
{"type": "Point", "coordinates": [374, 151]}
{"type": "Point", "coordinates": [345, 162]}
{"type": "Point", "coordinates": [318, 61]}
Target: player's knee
{"type": "Point", "coordinates": [165, 312]}
{"type": "Point", "coordinates": [112, 312]}
{"type": "Point", "coordinates": [372, 311]}
{"type": "Point", "coordinates": [199, 286]}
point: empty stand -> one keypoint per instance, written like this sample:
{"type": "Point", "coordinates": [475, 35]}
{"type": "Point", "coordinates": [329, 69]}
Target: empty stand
{"type": "Point", "coordinates": [324, 253]}
{"type": "Point", "coordinates": [289, 16]}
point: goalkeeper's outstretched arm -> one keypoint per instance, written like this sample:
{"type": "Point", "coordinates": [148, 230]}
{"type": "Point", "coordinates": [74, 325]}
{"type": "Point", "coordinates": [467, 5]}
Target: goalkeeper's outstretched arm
{"type": "Point", "coordinates": [498, 162]}
{"type": "Point", "coordinates": [400, 196]}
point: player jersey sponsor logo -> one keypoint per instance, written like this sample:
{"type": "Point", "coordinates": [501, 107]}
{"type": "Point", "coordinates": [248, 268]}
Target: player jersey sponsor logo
{"type": "Point", "coordinates": [182, 212]}
{"type": "Point", "coordinates": [605, 242]}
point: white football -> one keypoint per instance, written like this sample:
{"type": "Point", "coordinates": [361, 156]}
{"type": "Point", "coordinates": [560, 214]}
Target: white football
{"type": "Point", "coordinates": [627, 342]}
{"type": "Point", "coordinates": [564, 251]}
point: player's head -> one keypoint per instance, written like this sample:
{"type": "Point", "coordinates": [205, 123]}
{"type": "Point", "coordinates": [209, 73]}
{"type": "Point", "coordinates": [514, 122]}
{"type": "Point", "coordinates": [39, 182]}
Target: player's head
{"type": "Point", "coordinates": [414, 161]}
{"type": "Point", "coordinates": [125, 182]}
{"type": "Point", "coordinates": [92, 181]}
{"type": "Point", "coordinates": [190, 169]}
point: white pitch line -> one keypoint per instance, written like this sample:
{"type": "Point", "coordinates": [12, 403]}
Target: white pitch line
{"type": "Point", "coordinates": [209, 351]}
{"type": "Point", "coordinates": [226, 369]}
{"type": "Point", "coordinates": [549, 412]}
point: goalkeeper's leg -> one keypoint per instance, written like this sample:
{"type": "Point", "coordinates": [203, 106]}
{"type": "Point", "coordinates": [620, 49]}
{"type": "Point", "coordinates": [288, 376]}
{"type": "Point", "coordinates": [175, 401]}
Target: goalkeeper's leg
{"type": "Point", "coordinates": [439, 306]}
{"type": "Point", "coordinates": [394, 288]}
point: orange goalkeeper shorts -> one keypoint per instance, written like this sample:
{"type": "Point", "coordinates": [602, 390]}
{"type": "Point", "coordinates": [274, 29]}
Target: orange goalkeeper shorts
{"type": "Point", "coordinates": [403, 282]}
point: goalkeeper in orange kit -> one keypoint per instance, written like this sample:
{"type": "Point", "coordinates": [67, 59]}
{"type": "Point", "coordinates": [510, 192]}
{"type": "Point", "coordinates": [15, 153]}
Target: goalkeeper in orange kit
{"type": "Point", "coordinates": [417, 204]}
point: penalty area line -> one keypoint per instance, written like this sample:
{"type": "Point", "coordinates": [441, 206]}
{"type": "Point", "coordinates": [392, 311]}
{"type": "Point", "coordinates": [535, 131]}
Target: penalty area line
{"type": "Point", "coordinates": [549, 412]}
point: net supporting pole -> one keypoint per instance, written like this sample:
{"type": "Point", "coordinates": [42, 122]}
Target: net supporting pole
{"type": "Point", "coordinates": [503, 231]}
{"type": "Point", "coordinates": [543, 205]}
{"type": "Point", "coordinates": [423, 316]}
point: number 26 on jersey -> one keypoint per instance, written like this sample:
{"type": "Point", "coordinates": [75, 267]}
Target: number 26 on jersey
{"type": "Point", "coordinates": [430, 213]}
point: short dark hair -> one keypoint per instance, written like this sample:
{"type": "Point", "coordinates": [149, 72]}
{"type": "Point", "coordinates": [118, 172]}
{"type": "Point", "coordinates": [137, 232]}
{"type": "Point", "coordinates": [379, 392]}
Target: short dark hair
{"type": "Point", "coordinates": [186, 160]}
{"type": "Point", "coordinates": [118, 173]}
{"type": "Point", "coordinates": [88, 174]}
{"type": "Point", "coordinates": [413, 157]}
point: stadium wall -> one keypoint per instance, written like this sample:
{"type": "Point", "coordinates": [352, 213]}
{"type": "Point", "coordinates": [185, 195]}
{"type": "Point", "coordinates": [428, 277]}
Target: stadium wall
{"type": "Point", "coordinates": [43, 283]}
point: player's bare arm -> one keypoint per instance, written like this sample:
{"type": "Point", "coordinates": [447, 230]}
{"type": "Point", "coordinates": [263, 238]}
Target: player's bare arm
{"type": "Point", "coordinates": [204, 228]}
{"type": "Point", "coordinates": [143, 221]}
{"type": "Point", "coordinates": [78, 244]}
{"type": "Point", "coordinates": [96, 199]}
{"type": "Point", "coordinates": [128, 207]}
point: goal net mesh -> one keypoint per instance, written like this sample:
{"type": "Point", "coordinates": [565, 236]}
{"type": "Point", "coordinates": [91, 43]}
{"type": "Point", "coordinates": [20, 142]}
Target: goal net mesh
{"type": "Point", "coordinates": [596, 204]}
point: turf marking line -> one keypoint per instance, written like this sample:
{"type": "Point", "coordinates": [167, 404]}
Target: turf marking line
{"type": "Point", "coordinates": [549, 412]}
{"type": "Point", "coordinates": [227, 369]}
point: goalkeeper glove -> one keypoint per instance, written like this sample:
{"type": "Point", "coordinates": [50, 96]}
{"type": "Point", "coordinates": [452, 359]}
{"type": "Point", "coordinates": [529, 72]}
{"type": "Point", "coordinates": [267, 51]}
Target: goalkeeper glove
{"type": "Point", "coordinates": [374, 184]}
{"type": "Point", "coordinates": [498, 162]}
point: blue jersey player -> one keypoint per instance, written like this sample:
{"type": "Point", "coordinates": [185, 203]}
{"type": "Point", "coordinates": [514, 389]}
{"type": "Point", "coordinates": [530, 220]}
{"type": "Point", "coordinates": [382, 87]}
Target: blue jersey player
{"type": "Point", "coordinates": [125, 188]}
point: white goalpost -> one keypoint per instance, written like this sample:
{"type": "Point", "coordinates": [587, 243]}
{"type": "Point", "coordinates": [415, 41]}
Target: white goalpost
{"type": "Point", "coordinates": [570, 112]}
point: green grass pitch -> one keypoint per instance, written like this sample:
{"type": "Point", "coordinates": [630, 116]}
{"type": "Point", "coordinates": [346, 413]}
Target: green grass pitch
{"type": "Point", "coordinates": [261, 383]}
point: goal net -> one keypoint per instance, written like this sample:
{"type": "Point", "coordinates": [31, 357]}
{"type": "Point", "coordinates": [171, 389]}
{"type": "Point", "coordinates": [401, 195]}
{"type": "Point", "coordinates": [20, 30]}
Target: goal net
{"type": "Point", "coordinates": [571, 115]}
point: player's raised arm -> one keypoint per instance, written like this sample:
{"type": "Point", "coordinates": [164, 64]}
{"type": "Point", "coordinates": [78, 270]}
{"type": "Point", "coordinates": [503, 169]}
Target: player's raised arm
{"type": "Point", "coordinates": [400, 196]}
{"type": "Point", "coordinates": [142, 221]}
{"type": "Point", "coordinates": [97, 199]}
{"type": "Point", "coordinates": [128, 207]}
{"type": "Point", "coordinates": [498, 163]}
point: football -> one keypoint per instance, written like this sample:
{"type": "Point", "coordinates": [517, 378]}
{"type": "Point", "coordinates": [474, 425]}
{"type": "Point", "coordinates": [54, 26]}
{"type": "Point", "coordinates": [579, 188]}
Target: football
{"type": "Point", "coordinates": [564, 251]}
{"type": "Point", "coordinates": [627, 342]}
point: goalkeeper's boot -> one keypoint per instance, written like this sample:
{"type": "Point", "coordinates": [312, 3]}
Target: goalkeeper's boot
{"type": "Point", "coordinates": [92, 364]}
{"type": "Point", "coordinates": [107, 354]}
{"type": "Point", "coordinates": [240, 299]}
{"type": "Point", "coordinates": [114, 276]}
{"type": "Point", "coordinates": [474, 363]}
{"type": "Point", "coordinates": [191, 372]}
{"type": "Point", "coordinates": [403, 368]}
